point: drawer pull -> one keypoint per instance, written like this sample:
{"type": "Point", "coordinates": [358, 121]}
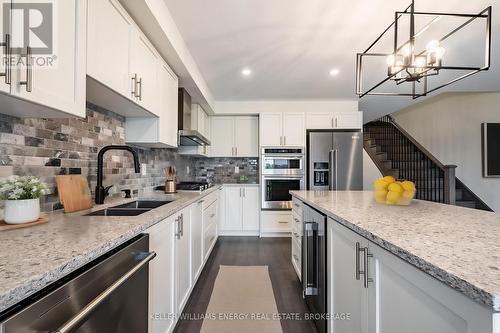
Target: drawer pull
{"type": "Point", "coordinates": [283, 222]}
{"type": "Point", "coordinates": [296, 258]}
{"type": "Point", "coordinates": [296, 220]}
{"type": "Point", "coordinates": [212, 216]}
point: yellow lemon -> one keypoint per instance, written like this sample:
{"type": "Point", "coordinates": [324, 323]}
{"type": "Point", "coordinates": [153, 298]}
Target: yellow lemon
{"type": "Point", "coordinates": [393, 197]}
{"type": "Point", "coordinates": [389, 179]}
{"type": "Point", "coordinates": [381, 184]}
{"type": "Point", "coordinates": [409, 194]}
{"type": "Point", "coordinates": [380, 196]}
{"type": "Point", "coordinates": [408, 185]}
{"type": "Point", "coordinates": [395, 187]}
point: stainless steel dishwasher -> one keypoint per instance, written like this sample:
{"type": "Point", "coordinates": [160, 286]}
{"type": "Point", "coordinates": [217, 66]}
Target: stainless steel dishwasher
{"type": "Point", "coordinates": [109, 295]}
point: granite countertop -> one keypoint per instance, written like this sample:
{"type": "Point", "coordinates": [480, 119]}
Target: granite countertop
{"type": "Point", "coordinates": [458, 246]}
{"type": "Point", "coordinates": [32, 258]}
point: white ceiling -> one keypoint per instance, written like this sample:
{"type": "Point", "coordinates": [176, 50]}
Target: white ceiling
{"type": "Point", "coordinates": [290, 45]}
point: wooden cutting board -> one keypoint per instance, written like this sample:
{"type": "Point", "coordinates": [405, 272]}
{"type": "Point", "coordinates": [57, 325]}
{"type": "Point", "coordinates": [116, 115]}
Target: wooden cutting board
{"type": "Point", "coordinates": [74, 192]}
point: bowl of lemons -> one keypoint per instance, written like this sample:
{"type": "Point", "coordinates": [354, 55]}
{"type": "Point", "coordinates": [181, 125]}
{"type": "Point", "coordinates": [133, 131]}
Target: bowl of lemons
{"type": "Point", "coordinates": [390, 191]}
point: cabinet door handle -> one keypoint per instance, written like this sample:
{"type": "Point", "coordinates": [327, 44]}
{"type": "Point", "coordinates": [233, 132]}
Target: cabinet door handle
{"type": "Point", "coordinates": [296, 220]}
{"type": "Point", "coordinates": [140, 88]}
{"type": "Point", "coordinates": [244, 192]}
{"type": "Point", "coordinates": [281, 140]}
{"type": "Point", "coordinates": [212, 216]}
{"type": "Point", "coordinates": [336, 122]}
{"type": "Point", "coordinates": [284, 140]}
{"type": "Point", "coordinates": [366, 274]}
{"type": "Point", "coordinates": [29, 71]}
{"type": "Point", "coordinates": [181, 222]}
{"type": "Point", "coordinates": [134, 85]}
{"type": "Point", "coordinates": [178, 233]}
{"type": "Point", "coordinates": [8, 55]}
{"type": "Point", "coordinates": [296, 258]}
{"type": "Point", "coordinates": [365, 270]}
{"type": "Point", "coordinates": [333, 123]}
{"type": "Point", "coordinates": [357, 268]}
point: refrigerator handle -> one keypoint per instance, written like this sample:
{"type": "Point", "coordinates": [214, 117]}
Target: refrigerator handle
{"type": "Point", "coordinates": [332, 169]}
{"type": "Point", "coordinates": [311, 267]}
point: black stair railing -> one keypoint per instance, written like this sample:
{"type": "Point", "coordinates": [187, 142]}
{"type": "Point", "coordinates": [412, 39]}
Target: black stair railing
{"type": "Point", "coordinates": [411, 161]}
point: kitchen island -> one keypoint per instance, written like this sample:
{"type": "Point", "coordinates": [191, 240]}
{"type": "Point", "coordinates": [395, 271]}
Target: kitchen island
{"type": "Point", "coordinates": [33, 258]}
{"type": "Point", "coordinates": [453, 252]}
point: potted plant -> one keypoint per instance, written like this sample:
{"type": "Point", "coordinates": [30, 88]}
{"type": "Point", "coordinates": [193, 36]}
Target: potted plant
{"type": "Point", "coordinates": [22, 198]}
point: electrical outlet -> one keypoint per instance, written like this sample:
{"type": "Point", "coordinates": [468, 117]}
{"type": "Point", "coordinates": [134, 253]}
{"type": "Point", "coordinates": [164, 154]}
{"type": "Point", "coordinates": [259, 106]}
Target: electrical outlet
{"type": "Point", "coordinates": [236, 169]}
{"type": "Point", "coordinates": [143, 169]}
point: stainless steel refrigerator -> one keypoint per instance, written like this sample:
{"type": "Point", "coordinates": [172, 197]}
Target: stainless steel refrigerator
{"type": "Point", "coordinates": [335, 160]}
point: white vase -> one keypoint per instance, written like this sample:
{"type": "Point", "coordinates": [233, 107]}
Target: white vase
{"type": "Point", "coordinates": [21, 211]}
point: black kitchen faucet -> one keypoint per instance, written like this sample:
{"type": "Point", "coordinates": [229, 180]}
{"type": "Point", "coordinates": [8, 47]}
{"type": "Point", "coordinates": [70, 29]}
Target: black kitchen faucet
{"type": "Point", "coordinates": [100, 191]}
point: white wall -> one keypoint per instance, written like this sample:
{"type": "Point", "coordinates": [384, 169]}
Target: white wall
{"type": "Point", "coordinates": [256, 107]}
{"type": "Point", "coordinates": [449, 126]}
{"type": "Point", "coordinates": [370, 172]}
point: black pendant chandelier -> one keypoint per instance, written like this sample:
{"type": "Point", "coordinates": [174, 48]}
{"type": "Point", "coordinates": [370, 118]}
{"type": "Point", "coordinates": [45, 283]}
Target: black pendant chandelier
{"type": "Point", "coordinates": [410, 66]}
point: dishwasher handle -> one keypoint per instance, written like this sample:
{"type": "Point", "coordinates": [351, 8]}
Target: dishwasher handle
{"type": "Point", "coordinates": [89, 308]}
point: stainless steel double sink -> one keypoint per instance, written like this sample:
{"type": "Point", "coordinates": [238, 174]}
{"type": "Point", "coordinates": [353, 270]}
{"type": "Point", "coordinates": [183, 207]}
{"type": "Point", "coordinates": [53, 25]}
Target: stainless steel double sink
{"type": "Point", "coordinates": [133, 208]}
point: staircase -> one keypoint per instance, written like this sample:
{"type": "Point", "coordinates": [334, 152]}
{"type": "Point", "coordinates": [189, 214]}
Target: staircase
{"type": "Point", "coordinates": [398, 154]}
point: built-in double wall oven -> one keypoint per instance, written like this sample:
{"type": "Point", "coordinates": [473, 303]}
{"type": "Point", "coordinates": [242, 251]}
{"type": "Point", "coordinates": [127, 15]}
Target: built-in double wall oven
{"type": "Point", "coordinates": [282, 171]}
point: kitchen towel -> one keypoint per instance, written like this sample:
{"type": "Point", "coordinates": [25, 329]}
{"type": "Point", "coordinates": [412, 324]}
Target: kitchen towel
{"type": "Point", "coordinates": [242, 301]}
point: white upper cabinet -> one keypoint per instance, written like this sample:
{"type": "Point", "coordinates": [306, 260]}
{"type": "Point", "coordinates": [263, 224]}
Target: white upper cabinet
{"type": "Point", "coordinates": [125, 73]}
{"type": "Point", "coordinates": [4, 36]}
{"type": "Point", "coordinates": [169, 85]}
{"type": "Point", "coordinates": [144, 71]}
{"type": "Point", "coordinates": [234, 136]}
{"type": "Point", "coordinates": [282, 129]}
{"type": "Point", "coordinates": [222, 137]}
{"type": "Point", "coordinates": [246, 136]}
{"type": "Point", "coordinates": [334, 120]}
{"type": "Point", "coordinates": [51, 82]}
{"type": "Point", "coordinates": [349, 120]}
{"type": "Point", "coordinates": [158, 131]}
{"type": "Point", "coordinates": [108, 42]}
{"type": "Point", "coordinates": [294, 129]}
{"type": "Point", "coordinates": [320, 120]}
{"type": "Point", "coordinates": [271, 129]}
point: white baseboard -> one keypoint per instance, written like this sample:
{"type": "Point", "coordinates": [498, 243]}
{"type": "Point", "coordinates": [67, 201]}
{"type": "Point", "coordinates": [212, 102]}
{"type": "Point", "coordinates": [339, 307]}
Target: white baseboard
{"type": "Point", "coordinates": [275, 234]}
{"type": "Point", "coordinates": [238, 233]}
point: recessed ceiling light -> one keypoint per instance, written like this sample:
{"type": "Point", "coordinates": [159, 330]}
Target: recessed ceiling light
{"type": "Point", "coordinates": [334, 72]}
{"type": "Point", "coordinates": [246, 72]}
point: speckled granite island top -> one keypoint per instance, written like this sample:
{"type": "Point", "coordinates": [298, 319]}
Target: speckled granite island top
{"type": "Point", "coordinates": [458, 246]}
{"type": "Point", "coordinates": [32, 258]}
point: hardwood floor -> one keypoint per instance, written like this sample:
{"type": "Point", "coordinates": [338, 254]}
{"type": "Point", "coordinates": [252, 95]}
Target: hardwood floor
{"type": "Point", "coordinates": [246, 251]}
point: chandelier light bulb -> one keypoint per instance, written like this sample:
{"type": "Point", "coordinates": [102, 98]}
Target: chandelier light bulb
{"type": "Point", "coordinates": [432, 46]}
{"type": "Point", "coordinates": [391, 60]}
{"type": "Point", "coordinates": [407, 50]}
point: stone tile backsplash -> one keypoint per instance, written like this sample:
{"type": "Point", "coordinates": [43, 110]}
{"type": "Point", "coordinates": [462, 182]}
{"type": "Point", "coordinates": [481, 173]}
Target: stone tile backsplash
{"type": "Point", "coordinates": [49, 147]}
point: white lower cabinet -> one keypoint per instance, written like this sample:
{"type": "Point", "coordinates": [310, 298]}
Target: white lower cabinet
{"type": "Point", "coordinates": [345, 293]}
{"type": "Point", "coordinates": [210, 222]}
{"type": "Point", "coordinates": [196, 239]}
{"type": "Point", "coordinates": [182, 243]}
{"type": "Point", "coordinates": [161, 277]}
{"type": "Point", "coordinates": [182, 259]}
{"type": "Point", "coordinates": [394, 296]}
{"type": "Point", "coordinates": [275, 222]}
{"type": "Point", "coordinates": [242, 209]}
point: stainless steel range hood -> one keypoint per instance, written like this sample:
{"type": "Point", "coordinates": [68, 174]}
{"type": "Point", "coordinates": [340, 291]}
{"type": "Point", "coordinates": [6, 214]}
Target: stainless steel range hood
{"type": "Point", "coordinates": [188, 136]}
